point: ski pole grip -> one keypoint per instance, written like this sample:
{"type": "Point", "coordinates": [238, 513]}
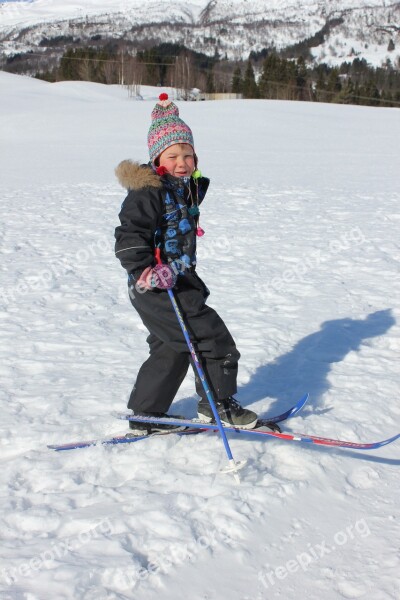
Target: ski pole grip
{"type": "Point", "coordinates": [157, 255]}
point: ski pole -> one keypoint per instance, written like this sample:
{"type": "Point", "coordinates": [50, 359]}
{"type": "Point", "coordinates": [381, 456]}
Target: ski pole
{"type": "Point", "coordinates": [233, 465]}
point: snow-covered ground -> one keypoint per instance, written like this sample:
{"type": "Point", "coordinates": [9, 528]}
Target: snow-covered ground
{"type": "Point", "coordinates": [302, 256]}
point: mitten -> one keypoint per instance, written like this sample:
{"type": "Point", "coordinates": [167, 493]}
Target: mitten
{"type": "Point", "coordinates": [161, 277]}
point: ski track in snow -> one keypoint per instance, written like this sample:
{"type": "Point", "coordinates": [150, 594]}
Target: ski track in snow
{"type": "Point", "coordinates": [305, 274]}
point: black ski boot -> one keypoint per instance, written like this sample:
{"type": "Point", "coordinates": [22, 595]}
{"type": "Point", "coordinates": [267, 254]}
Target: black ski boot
{"type": "Point", "coordinates": [142, 428]}
{"type": "Point", "coordinates": [230, 412]}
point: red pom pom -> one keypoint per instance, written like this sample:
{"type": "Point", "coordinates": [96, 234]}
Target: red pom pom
{"type": "Point", "coordinates": [161, 170]}
{"type": "Point", "coordinates": [163, 96]}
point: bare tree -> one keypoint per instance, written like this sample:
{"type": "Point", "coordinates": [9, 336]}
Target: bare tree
{"type": "Point", "coordinates": [84, 69]}
{"type": "Point", "coordinates": [110, 71]}
{"type": "Point", "coordinates": [184, 76]}
{"type": "Point", "coordinates": [133, 71]}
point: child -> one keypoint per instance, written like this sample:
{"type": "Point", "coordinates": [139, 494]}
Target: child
{"type": "Point", "coordinates": [161, 211]}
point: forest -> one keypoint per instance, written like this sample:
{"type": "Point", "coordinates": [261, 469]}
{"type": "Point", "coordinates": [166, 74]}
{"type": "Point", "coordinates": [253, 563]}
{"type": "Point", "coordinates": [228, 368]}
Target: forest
{"type": "Point", "coordinates": [268, 74]}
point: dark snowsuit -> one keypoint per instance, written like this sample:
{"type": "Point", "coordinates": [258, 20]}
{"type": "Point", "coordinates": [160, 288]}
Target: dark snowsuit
{"type": "Point", "coordinates": [158, 211]}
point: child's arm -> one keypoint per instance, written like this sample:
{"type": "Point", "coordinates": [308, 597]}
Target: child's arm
{"type": "Point", "coordinates": [140, 216]}
{"type": "Point", "coordinates": [203, 183]}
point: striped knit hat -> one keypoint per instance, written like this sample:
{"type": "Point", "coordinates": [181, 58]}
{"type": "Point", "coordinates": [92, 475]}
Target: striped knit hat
{"type": "Point", "coordinates": [166, 128]}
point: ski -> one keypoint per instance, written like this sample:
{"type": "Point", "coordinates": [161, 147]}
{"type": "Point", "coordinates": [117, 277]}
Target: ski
{"type": "Point", "coordinates": [261, 422]}
{"type": "Point", "coordinates": [198, 427]}
{"type": "Point", "coordinates": [118, 439]}
{"type": "Point", "coordinates": [291, 412]}
{"type": "Point", "coordinates": [262, 431]}
{"type": "Point", "coordinates": [126, 439]}
{"type": "Point", "coordinates": [195, 426]}
{"type": "Point", "coordinates": [311, 439]}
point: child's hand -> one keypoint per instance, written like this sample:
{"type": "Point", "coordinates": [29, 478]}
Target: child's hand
{"type": "Point", "coordinates": [160, 276]}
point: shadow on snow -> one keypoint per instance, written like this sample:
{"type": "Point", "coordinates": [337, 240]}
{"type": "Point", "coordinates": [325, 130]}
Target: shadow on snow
{"type": "Point", "coordinates": [306, 367]}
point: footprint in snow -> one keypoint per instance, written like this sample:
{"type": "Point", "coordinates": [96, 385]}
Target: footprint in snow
{"type": "Point", "coordinates": [363, 478]}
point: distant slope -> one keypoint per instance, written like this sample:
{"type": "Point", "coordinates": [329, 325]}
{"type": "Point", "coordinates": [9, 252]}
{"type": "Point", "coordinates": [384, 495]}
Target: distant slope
{"type": "Point", "coordinates": [337, 31]}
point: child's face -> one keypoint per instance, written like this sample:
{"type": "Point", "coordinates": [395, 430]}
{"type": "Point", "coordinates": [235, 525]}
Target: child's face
{"type": "Point", "coordinates": [178, 160]}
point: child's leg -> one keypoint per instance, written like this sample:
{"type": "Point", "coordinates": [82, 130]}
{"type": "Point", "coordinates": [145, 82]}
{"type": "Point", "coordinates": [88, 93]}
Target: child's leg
{"type": "Point", "coordinates": [159, 378]}
{"type": "Point", "coordinates": [212, 339]}
{"type": "Point", "coordinates": [219, 355]}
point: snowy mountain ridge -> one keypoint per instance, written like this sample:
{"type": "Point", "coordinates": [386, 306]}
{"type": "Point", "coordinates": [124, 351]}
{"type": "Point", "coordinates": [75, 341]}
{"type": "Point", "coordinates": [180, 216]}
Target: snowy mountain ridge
{"type": "Point", "coordinates": [230, 27]}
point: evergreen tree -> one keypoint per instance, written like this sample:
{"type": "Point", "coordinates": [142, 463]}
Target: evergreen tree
{"type": "Point", "coordinates": [301, 79]}
{"type": "Point", "coordinates": [237, 83]}
{"type": "Point", "coordinates": [151, 59]}
{"type": "Point", "coordinates": [356, 95]}
{"type": "Point", "coordinates": [68, 65]}
{"type": "Point", "coordinates": [210, 86]}
{"type": "Point", "coordinates": [320, 88]}
{"type": "Point", "coordinates": [347, 94]}
{"type": "Point", "coordinates": [250, 88]}
{"type": "Point", "coordinates": [333, 85]}
{"type": "Point", "coordinates": [280, 78]}
{"type": "Point", "coordinates": [270, 75]}
{"type": "Point", "coordinates": [371, 94]}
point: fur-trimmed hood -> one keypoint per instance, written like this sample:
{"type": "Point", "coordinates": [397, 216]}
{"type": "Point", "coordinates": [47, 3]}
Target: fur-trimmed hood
{"type": "Point", "coordinates": [134, 176]}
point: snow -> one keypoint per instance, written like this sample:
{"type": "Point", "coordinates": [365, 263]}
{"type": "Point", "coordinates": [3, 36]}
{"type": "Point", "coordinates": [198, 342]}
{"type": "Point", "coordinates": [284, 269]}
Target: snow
{"type": "Point", "coordinates": [301, 254]}
{"type": "Point", "coordinates": [33, 11]}
{"type": "Point", "coordinates": [37, 11]}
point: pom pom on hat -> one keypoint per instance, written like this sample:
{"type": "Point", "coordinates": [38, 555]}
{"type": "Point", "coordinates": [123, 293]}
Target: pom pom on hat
{"type": "Point", "coordinates": [166, 128]}
{"type": "Point", "coordinates": [163, 100]}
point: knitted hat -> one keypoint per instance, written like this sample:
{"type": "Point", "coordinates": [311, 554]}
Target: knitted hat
{"type": "Point", "coordinates": [166, 128]}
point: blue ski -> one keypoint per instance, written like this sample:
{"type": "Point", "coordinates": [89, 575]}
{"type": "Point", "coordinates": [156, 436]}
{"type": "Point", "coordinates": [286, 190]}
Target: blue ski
{"type": "Point", "coordinates": [291, 412]}
{"type": "Point", "coordinates": [118, 439]}
{"type": "Point", "coordinates": [265, 431]}
{"type": "Point", "coordinates": [198, 427]}
{"type": "Point", "coordinates": [262, 421]}
{"type": "Point", "coordinates": [127, 439]}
